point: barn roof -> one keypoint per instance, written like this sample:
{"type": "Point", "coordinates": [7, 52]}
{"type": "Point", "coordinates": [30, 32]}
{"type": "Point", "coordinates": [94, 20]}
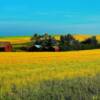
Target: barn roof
{"type": "Point", "coordinates": [3, 44]}
{"type": "Point", "coordinates": [37, 46]}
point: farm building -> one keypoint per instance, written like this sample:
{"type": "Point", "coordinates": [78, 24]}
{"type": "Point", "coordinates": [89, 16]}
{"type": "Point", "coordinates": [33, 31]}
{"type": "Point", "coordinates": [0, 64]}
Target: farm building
{"type": "Point", "coordinates": [5, 47]}
{"type": "Point", "coordinates": [45, 48]}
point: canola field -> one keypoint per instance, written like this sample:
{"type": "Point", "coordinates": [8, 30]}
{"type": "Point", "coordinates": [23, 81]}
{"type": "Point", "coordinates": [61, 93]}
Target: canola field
{"type": "Point", "coordinates": [16, 39]}
{"type": "Point", "coordinates": [73, 75]}
{"type": "Point", "coordinates": [19, 69]}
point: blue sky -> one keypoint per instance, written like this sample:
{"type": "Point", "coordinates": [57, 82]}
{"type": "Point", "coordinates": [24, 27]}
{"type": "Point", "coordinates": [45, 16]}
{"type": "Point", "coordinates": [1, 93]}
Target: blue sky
{"type": "Point", "coordinates": [24, 17]}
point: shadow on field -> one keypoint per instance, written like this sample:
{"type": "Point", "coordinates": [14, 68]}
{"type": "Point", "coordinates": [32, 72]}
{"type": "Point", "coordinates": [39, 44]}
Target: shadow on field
{"type": "Point", "coordinates": [67, 89]}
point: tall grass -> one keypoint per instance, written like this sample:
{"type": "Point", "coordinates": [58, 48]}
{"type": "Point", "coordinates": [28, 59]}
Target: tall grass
{"type": "Point", "coordinates": [80, 88]}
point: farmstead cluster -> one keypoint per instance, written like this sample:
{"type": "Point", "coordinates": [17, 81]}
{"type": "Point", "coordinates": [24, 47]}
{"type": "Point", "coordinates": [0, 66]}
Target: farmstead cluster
{"type": "Point", "coordinates": [49, 43]}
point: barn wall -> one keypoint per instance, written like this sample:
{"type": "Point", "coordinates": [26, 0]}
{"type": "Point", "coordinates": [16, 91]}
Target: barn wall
{"type": "Point", "coordinates": [8, 48]}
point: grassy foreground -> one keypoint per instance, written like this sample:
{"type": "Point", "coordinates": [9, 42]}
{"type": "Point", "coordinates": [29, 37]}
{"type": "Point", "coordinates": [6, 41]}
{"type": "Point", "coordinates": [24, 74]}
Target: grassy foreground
{"type": "Point", "coordinates": [50, 76]}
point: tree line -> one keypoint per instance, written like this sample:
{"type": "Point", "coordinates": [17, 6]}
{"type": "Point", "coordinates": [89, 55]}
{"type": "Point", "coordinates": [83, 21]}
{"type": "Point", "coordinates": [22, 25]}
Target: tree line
{"type": "Point", "coordinates": [66, 42]}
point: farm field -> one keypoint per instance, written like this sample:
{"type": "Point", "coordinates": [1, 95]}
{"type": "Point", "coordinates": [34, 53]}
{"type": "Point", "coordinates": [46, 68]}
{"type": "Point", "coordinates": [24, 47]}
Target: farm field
{"type": "Point", "coordinates": [25, 39]}
{"type": "Point", "coordinates": [22, 74]}
{"type": "Point", "coordinates": [16, 39]}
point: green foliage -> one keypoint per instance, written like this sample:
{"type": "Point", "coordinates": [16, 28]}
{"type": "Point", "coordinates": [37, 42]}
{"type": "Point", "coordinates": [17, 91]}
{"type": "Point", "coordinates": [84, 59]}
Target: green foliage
{"type": "Point", "coordinates": [67, 89]}
{"type": "Point", "coordinates": [45, 42]}
{"type": "Point", "coordinates": [18, 47]}
{"type": "Point", "coordinates": [66, 42]}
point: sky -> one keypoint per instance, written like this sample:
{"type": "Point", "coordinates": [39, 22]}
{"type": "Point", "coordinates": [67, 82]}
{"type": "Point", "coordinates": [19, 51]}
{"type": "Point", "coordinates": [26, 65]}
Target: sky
{"type": "Point", "coordinates": [25, 17]}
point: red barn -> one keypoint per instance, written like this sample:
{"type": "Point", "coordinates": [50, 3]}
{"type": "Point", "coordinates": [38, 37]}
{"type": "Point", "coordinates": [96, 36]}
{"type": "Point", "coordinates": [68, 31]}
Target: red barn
{"type": "Point", "coordinates": [56, 49]}
{"type": "Point", "coordinates": [5, 47]}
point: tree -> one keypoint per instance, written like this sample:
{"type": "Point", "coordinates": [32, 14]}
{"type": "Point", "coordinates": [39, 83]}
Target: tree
{"type": "Point", "coordinates": [90, 43]}
{"type": "Point", "coordinates": [68, 42]}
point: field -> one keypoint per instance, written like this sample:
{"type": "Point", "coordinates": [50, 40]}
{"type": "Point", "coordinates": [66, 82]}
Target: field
{"type": "Point", "coordinates": [16, 39]}
{"type": "Point", "coordinates": [73, 75]}
{"type": "Point", "coordinates": [22, 73]}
